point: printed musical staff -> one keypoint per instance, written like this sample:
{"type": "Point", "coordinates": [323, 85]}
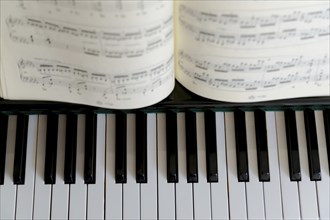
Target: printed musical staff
{"type": "Point", "coordinates": [110, 42]}
{"type": "Point", "coordinates": [50, 75]}
{"type": "Point", "coordinates": [259, 74]}
{"type": "Point", "coordinates": [277, 28]}
{"type": "Point", "coordinates": [101, 5]}
{"type": "Point", "coordinates": [275, 17]}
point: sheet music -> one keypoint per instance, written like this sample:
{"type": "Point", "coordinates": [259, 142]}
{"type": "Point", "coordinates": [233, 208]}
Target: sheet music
{"type": "Point", "coordinates": [105, 53]}
{"type": "Point", "coordinates": [246, 51]}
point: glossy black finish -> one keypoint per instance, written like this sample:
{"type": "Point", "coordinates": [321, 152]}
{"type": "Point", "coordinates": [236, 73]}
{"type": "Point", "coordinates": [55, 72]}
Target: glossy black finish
{"type": "Point", "coordinates": [292, 144]}
{"type": "Point", "coordinates": [179, 98]}
{"type": "Point", "coordinates": [141, 148]}
{"type": "Point", "coordinates": [20, 149]}
{"type": "Point", "coordinates": [70, 148]}
{"type": "Point", "coordinates": [191, 147]}
{"type": "Point", "coordinates": [121, 148]}
{"type": "Point", "coordinates": [51, 149]}
{"type": "Point", "coordinates": [326, 119]}
{"type": "Point", "coordinates": [90, 148]}
{"type": "Point", "coordinates": [241, 146]}
{"type": "Point", "coordinates": [172, 147]}
{"type": "Point", "coordinates": [262, 145]}
{"type": "Point", "coordinates": [312, 145]}
{"type": "Point", "coordinates": [211, 146]}
{"type": "Point", "coordinates": [3, 145]}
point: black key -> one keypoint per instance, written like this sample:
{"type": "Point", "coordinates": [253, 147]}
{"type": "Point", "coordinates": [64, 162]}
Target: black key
{"type": "Point", "coordinates": [3, 145]}
{"type": "Point", "coordinates": [312, 145]}
{"type": "Point", "coordinates": [191, 147]}
{"type": "Point", "coordinates": [20, 148]}
{"type": "Point", "coordinates": [121, 147]}
{"type": "Point", "coordinates": [262, 145]}
{"type": "Point", "coordinates": [292, 143]}
{"type": "Point", "coordinates": [241, 146]}
{"type": "Point", "coordinates": [90, 148]}
{"type": "Point", "coordinates": [326, 119]}
{"type": "Point", "coordinates": [70, 148]}
{"type": "Point", "coordinates": [141, 147]}
{"type": "Point", "coordinates": [172, 147]}
{"type": "Point", "coordinates": [51, 149]}
{"type": "Point", "coordinates": [211, 146]}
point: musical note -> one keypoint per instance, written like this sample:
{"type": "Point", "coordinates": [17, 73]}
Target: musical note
{"type": "Point", "coordinates": [120, 43]}
{"type": "Point", "coordinates": [275, 28]}
{"type": "Point", "coordinates": [48, 74]}
{"type": "Point", "coordinates": [265, 73]}
{"type": "Point", "coordinates": [250, 21]}
{"type": "Point", "coordinates": [117, 8]}
{"type": "Point", "coordinates": [262, 40]}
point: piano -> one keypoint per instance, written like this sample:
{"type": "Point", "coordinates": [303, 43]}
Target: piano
{"type": "Point", "coordinates": [184, 158]}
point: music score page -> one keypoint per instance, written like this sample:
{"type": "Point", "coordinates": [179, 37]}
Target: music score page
{"type": "Point", "coordinates": [112, 54]}
{"type": "Point", "coordinates": [249, 51]}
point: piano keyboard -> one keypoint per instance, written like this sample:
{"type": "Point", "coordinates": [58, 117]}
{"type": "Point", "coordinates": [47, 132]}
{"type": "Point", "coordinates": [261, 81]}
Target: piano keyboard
{"type": "Point", "coordinates": [175, 165]}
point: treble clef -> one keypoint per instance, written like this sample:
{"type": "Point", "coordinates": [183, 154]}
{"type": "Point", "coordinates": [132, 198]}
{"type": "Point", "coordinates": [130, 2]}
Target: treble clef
{"type": "Point", "coordinates": [21, 64]}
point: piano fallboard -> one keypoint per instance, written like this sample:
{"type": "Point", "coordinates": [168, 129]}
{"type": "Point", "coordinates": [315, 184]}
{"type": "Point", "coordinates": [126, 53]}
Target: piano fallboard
{"type": "Point", "coordinates": [179, 100]}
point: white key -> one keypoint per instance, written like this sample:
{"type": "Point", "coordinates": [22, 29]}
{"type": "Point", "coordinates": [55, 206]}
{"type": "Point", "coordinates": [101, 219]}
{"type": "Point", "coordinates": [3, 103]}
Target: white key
{"type": "Point", "coordinates": [272, 189]}
{"type": "Point", "coordinates": [219, 192]}
{"type": "Point", "coordinates": [95, 192]}
{"type": "Point", "coordinates": [149, 190]}
{"type": "Point", "coordinates": [166, 197]}
{"type": "Point", "coordinates": [254, 188]}
{"type": "Point", "coordinates": [307, 190]}
{"type": "Point", "coordinates": [113, 191]}
{"type": "Point", "coordinates": [8, 189]}
{"type": "Point", "coordinates": [290, 197]}
{"type": "Point", "coordinates": [202, 200]}
{"type": "Point", "coordinates": [24, 202]}
{"type": "Point", "coordinates": [42, 192]}
{"type": "Point", "coordinates": [77, 207]}
{"type": "Point", "coordinates": [184, 199]}
{"type": "Point", "coordinates": [322, 187]}
{"type": "Point", "coordinates": [131, 190]}
{"type": "Point", "coordinates": [60, 190]}
{"type": "Point", "coordinates": [237, 198]}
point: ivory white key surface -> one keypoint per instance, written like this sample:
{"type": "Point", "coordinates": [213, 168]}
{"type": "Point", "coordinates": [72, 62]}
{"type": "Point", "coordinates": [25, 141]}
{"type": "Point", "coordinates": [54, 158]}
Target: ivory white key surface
{"type": "Point", "coordinates": [60, 190]}
{"type": "Point", "coordinates": [254, 188]}
{"type": "Point", "coordinates": [202, 200]}
{"type": "Point", "coordinates": [322, 187]}
{"type": "Point", "coordinates": [149, 190]}
{"type": "Point", "coordinates": [42, 192]}
{"type": "Point", "coordinates": [166, 191]}
{"type": "Point", "coordinates": [290, 197]}
{"type": "Point", "coordinates": [219, 192]}
{"type": "Point", "coordinates": [24, 202]}
{"type": "Point", "coordinates": [77, 207]}
{"type": "Point", "coordinates": [131, 190]}
{"type": "Point", "coordinates": [113, 191]}
{"type": "Point", "coordinates": [272, 189]}
{"type": "Point", "coordinates": [8, 189]}
{"type": "Point", "coordinates": [184, 199]}
{"type": "Point", "coordinates": [307, 188]}
{"type": "Point", "coordinates": [237, 197]}
{"type": "Point", "coordinates": [95, 192]}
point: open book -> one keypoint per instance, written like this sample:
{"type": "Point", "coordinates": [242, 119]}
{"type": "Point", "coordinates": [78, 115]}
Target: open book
{"type": "Point", "coordinates": [127, 54]}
